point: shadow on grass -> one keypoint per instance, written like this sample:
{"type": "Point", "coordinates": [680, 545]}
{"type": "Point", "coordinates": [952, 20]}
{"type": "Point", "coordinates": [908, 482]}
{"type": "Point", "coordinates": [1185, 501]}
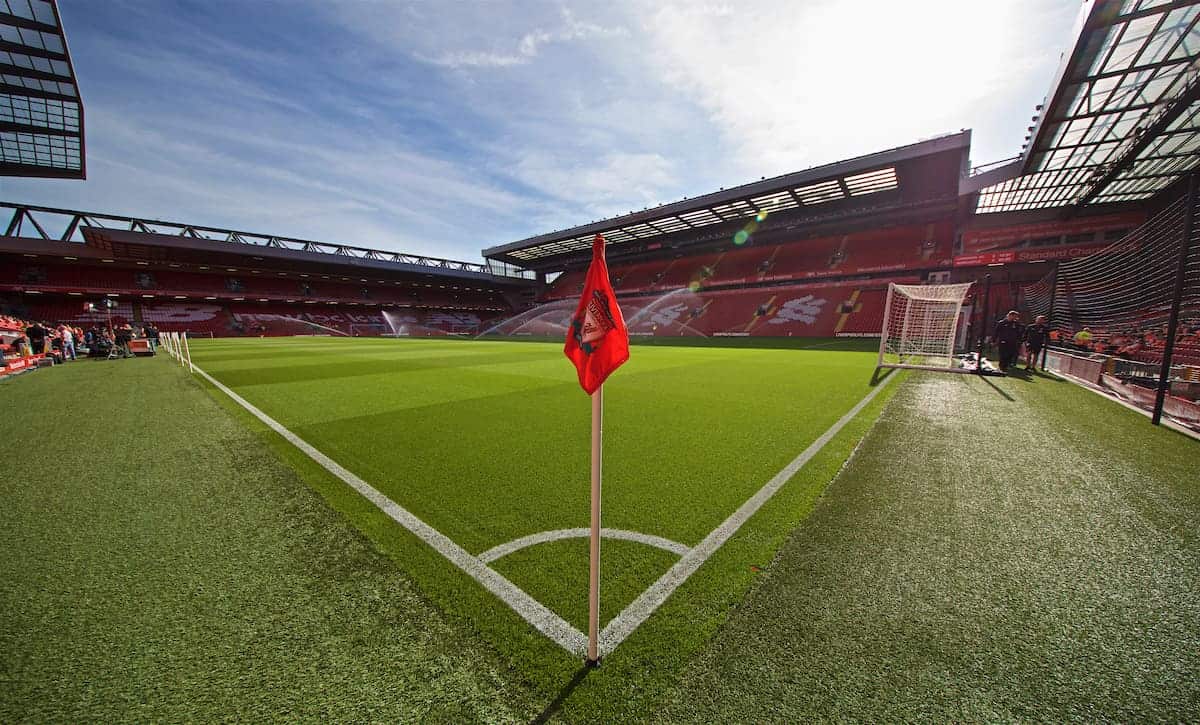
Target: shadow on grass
{"type": "Point", "coordinates": [877, 378]}
{"type": "Point", "coordinates": [1033, 375]}
{"type": "Point", "coordinates": [557, 703]}
{"type": "Point", "coordinates": [993, 386]}
{"type": "Point", "coordinates": [1019, 373]}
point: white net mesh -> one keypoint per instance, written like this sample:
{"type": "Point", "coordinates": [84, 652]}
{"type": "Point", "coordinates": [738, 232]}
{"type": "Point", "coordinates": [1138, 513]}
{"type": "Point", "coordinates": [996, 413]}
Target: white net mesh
{"type": "Point", "coordinates": [1119, 301]}
{"type": "Point", "coordinates": [1128, 288]}
{"type": "Point", "coordinates": [920, 325]}
{"type": "Point", "coordinates": [1035, 298]}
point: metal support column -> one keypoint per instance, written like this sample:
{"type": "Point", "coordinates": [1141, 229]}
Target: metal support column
{"type": "Point", "coordinates": [984, 315]}
{"type": "Point", "coordinates": [1185, 245]}
{"type": "Point", "coordinates": [1050, 313]}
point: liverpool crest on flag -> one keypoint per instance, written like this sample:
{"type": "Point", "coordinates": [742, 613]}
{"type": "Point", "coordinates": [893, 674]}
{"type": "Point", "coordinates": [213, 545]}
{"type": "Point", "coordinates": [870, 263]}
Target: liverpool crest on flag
{"type": "Point", "coordinates": [597, 341]}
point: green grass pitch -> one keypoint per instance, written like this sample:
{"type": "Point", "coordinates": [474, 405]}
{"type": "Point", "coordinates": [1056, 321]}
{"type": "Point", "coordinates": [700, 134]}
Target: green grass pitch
{"type": "Point", "coordinates": [487, 442]}
{"type": "Point", "coordinates": [964, 549]}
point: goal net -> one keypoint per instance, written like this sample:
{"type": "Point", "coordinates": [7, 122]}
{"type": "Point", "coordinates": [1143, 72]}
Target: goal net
{"type": "Point", "coordinates": [920, 325]}
{"type": "Point", "coordinates": [1126, 290]}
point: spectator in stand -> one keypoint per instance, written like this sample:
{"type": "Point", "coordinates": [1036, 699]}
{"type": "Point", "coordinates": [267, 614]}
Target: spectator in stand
{"type": "Point", "coordinates": [1008, 335]}
{"type": "Point", "coordinates": [1083, 339]}
{"type": "Point", "coordinates": [55, 347]}
{"type": "Point", "coordinates": [1036, 337]}
{"type": "Point", "coordinates": [37, 338]}
{"type": "Point", "coordinates": [1131, 347]}
{"type": "Point", "coordinates": [68, 342]}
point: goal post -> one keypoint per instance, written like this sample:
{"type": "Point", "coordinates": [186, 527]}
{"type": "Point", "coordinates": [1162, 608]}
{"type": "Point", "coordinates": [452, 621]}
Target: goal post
{"type": "Point", "coordinates": [920, 326]}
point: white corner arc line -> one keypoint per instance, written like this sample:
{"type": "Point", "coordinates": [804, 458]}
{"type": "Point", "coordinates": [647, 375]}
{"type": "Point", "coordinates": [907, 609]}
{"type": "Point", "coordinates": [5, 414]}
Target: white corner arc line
{"type": "Point", "coordinates": [639, 609]}
{"type": "Point", "coordinates": [531, 610]}
{"type": "Point", "coordinates": [545, 537]}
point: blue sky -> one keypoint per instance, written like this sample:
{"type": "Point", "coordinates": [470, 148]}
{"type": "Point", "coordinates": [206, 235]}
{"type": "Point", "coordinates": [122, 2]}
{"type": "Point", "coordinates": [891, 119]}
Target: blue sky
{"type": "Point", "coordinates": [442, 128]}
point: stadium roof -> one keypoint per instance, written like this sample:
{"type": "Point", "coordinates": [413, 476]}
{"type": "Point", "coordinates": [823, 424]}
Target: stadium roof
{"type": "Point", "coordinates": [1122, 121]}
{"type": "Point", "coordinates": [152, 239]}
{"type": "Point", "coordinates": [41, 116]}
{"type": "Point", "coordinates": [820, 187]}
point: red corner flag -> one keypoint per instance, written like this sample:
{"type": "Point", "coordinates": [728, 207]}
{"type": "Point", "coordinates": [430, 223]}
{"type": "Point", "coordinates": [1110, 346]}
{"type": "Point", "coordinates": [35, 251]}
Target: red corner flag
{"type": "Point", "coordinates": [597, 341]}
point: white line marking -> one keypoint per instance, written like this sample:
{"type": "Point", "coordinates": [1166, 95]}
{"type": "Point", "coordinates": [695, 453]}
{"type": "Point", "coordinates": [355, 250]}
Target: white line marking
{"type": "Point", "coordinates": [642, 607]}
{"type": "Point", "coordinates": [543, 537]}
{"type": "Point", "coordinates": [533, 611]}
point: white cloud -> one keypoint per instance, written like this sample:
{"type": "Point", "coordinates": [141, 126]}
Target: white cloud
{"type": "Point", "coordinates": [528, 46]}
{"type": "Point", "coordinates": [603, 186]}
{"type": "Point", "coordinates": [794, 84]}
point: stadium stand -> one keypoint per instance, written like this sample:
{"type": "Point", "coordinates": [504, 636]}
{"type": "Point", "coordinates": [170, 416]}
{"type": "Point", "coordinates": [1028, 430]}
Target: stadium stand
{"type": "Point", "coordinates": [221, 283]}
{"type": "Point", "coordinates": [742, 265]}
{"type": "Point", "coordinates": [899, 248]}
{"type": "Point", "coordinates": [198, 318]}
{"type": "Point", "coordinates": [878, 251]}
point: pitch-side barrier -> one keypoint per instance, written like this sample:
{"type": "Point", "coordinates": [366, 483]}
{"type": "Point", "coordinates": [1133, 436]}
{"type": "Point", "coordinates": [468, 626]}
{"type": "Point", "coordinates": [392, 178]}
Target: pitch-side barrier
{"type": "Point", "coordinates": [1131, 382]}
{"type": "Point", "coordinates": [176, 345]}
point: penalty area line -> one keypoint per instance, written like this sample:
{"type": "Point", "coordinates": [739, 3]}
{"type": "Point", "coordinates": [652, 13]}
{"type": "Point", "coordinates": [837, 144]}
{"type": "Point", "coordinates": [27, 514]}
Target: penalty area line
{"type": "Point", "coordinates": [641, 608]}
{"type": "Point", "coordinates": [530, 609]}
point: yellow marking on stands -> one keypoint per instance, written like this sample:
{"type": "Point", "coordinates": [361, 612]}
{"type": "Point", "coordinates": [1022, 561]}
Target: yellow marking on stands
{"type": "Point", "coordinates": [758, 318]}
{"type": "Point", "coordinates": [770, 266]}
{"type": "Point", "coordinates": [846, 315]}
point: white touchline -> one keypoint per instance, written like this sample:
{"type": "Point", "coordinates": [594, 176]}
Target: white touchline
{"type": "Point", "coordinates": [531, 610]}
{"type": "Point", "coordinates": [544, 537]}
{"type": "Point", "coordinates": [642, 607]}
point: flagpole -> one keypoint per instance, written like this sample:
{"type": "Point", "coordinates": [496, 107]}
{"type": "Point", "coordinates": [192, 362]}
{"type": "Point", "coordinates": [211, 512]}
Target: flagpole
{"type": "Point", "coordinates": [593, 654]}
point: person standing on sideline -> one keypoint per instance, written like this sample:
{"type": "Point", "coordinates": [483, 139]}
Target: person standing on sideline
{"type": "Point", "coordinates": [36, 334]}
{"type": "Point", "coordinates": [1008, 335]}
{"type": "Point", "coordinates": [68, 343]}
{"type": "Point", "coordinates": [1036, 337]}
{"type": "Point", "coordinates": [122, 335]}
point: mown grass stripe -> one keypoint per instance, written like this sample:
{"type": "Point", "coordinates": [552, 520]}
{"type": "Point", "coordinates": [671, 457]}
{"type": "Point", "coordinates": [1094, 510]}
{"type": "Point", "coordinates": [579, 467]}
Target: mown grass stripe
{"type": "Point", "coordinates": [532, 611]}
{"type": "Point", "coordinates": [648, 601]}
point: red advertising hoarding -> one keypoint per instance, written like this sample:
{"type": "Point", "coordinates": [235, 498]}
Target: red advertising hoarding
{"type": "Point", "coordinates": [1035, 254]}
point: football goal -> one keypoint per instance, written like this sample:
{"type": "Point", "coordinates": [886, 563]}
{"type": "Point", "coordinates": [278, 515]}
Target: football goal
{"type": "Point", "coordinates": [920, 325]}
